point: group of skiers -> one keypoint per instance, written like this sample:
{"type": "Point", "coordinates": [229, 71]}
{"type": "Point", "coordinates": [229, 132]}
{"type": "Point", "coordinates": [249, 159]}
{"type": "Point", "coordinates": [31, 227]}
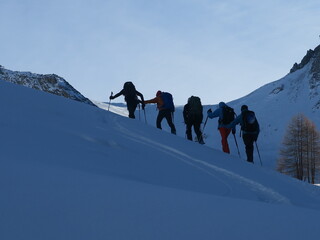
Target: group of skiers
{"type": "Point", "coordinates": [193, 117]}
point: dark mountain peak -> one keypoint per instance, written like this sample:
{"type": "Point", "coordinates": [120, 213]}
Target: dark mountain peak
{"type": "Point", "coordinates": [316, 64]}
{"type": "Point", "coordinates": [311, 54]}
{"type": "Point", "coordinates": [50, 83]}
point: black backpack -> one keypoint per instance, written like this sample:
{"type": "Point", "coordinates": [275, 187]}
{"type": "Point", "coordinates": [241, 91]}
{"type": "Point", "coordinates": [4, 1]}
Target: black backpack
{"type": "Point", "coordinates": [228, 115]}
{"type": "Point", "coordinates": [195, 106]}
{"type": "Point", "coordinates": [129, 91]}
{"type": "Point", "coordinates": [250, 123]}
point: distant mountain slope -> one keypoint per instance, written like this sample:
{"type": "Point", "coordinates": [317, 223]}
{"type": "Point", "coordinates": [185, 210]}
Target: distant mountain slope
{"type": "Point", "coordinates": [277, 102]}
{"type": "Point", "coordinates": [50, 83]}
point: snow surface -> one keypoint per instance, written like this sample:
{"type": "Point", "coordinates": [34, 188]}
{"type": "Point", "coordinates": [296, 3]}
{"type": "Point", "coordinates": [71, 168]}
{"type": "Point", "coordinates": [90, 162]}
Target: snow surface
{"type": "Point", "coordinates": [72, 171]}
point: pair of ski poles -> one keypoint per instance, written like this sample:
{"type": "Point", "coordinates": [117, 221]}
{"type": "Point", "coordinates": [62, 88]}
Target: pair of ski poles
{"type": "Point", "coordinates": [256, 148]}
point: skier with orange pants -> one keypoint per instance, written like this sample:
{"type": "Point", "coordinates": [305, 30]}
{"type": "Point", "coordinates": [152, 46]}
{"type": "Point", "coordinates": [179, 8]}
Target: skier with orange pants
{"type": "Point", "coordinates": [226, 116]}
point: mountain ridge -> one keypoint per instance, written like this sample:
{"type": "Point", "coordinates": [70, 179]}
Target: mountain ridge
{"type": "Point", "coordinates": [313, 58]}
{"type": "Point", "coordinates": [311, 54]}
{"type": "Point", "coordinates": [50, 83]}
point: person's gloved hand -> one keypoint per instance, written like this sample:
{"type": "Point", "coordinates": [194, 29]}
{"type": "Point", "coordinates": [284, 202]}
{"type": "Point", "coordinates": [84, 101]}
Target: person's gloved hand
{"type": "Point", "coordinates": [233, 131]}
{"type": "Point", "coordinates": [209, 111]}
{"type": "Point", "coordinates": [111, 97]}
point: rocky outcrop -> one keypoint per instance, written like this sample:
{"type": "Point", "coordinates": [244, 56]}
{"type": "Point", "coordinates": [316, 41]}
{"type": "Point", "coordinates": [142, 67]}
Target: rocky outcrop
{"type": "Point", "coordinates": [311, 55]}
{"type": "Point", "coordinates": [50, 83]}
{"type": "Point", "coordinates": [305, 60]}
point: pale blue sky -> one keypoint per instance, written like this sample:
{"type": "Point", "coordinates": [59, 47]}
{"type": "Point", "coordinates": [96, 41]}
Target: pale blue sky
{"type": "Point", "coordinates": [218, 50]}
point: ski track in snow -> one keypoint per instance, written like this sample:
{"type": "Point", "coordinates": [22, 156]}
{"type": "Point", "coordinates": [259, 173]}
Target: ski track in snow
{"type": "Point", "coordinates": [177, 155]}
{"type": "Point", "coordinates": [265, 194]}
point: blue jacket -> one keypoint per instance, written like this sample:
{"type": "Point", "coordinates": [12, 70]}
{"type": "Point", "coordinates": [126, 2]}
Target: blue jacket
{"type": "Point", "coordinates": [218, 113]}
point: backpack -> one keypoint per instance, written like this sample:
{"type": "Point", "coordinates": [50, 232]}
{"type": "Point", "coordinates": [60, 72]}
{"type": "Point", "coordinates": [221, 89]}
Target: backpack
{"type": "Point", "coordinates": [195, 106]}
{"type": "Point", "coordinates": [250, 123]}
{"type": "Point", "coordinates": [129, 91]}
{"type": "Point", "coordinates": [228, 115]}
{"type": "Point", "coordinates": [167, 101]}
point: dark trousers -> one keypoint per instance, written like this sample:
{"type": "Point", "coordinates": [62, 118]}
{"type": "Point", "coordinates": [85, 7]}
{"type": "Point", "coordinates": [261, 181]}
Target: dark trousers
{"type": "Point", "coordinates": [132, 106]}
{"type": "Point", "coordinates": [165, 113]}
{"type": "Point", "coordinates": [248, 140]}
{"type": "Point", "coordinates": [195, 122]}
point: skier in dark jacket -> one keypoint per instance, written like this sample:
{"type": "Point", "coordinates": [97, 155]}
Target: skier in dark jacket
{"type": "Point", "coordinates": [130, 96]}
{"type": "Point", "coordinates": [193, 117]}
{"type": "Point", "coordinates": [249, 133]}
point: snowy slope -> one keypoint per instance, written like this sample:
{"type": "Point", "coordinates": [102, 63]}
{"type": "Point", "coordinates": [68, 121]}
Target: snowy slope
{"type": "Point", "coordinates": [72, 171]}
{"type": "Point", "coordinates": [275, 104]}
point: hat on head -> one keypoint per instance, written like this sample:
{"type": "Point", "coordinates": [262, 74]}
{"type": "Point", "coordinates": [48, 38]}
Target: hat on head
{"type": "Point", "coordinates": [244, 107]}
{"type": "Point", "coordinates": [158, 93]}
{"type": "Point", "coordinates": [222, 104]}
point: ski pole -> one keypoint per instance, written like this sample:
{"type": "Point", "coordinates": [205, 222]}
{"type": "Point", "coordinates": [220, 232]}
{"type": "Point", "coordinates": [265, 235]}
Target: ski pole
{"type": "Point", "coordinates": [139, 112]}
{"type": "Point", "coordinates": [258, 152]}
{"type": "Point", "coordinates": [236, 144]}
{"type": "Point", "coordinates": [110, 101]}
{"type": "Point", "coordinates": [205, 123]}
{"type": "Point", "coordinates": [145, 118]}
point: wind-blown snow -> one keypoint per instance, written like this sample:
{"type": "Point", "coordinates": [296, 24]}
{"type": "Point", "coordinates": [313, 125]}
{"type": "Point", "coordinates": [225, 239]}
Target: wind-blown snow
{"type": "Point", "coordinates": [72, 171]}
